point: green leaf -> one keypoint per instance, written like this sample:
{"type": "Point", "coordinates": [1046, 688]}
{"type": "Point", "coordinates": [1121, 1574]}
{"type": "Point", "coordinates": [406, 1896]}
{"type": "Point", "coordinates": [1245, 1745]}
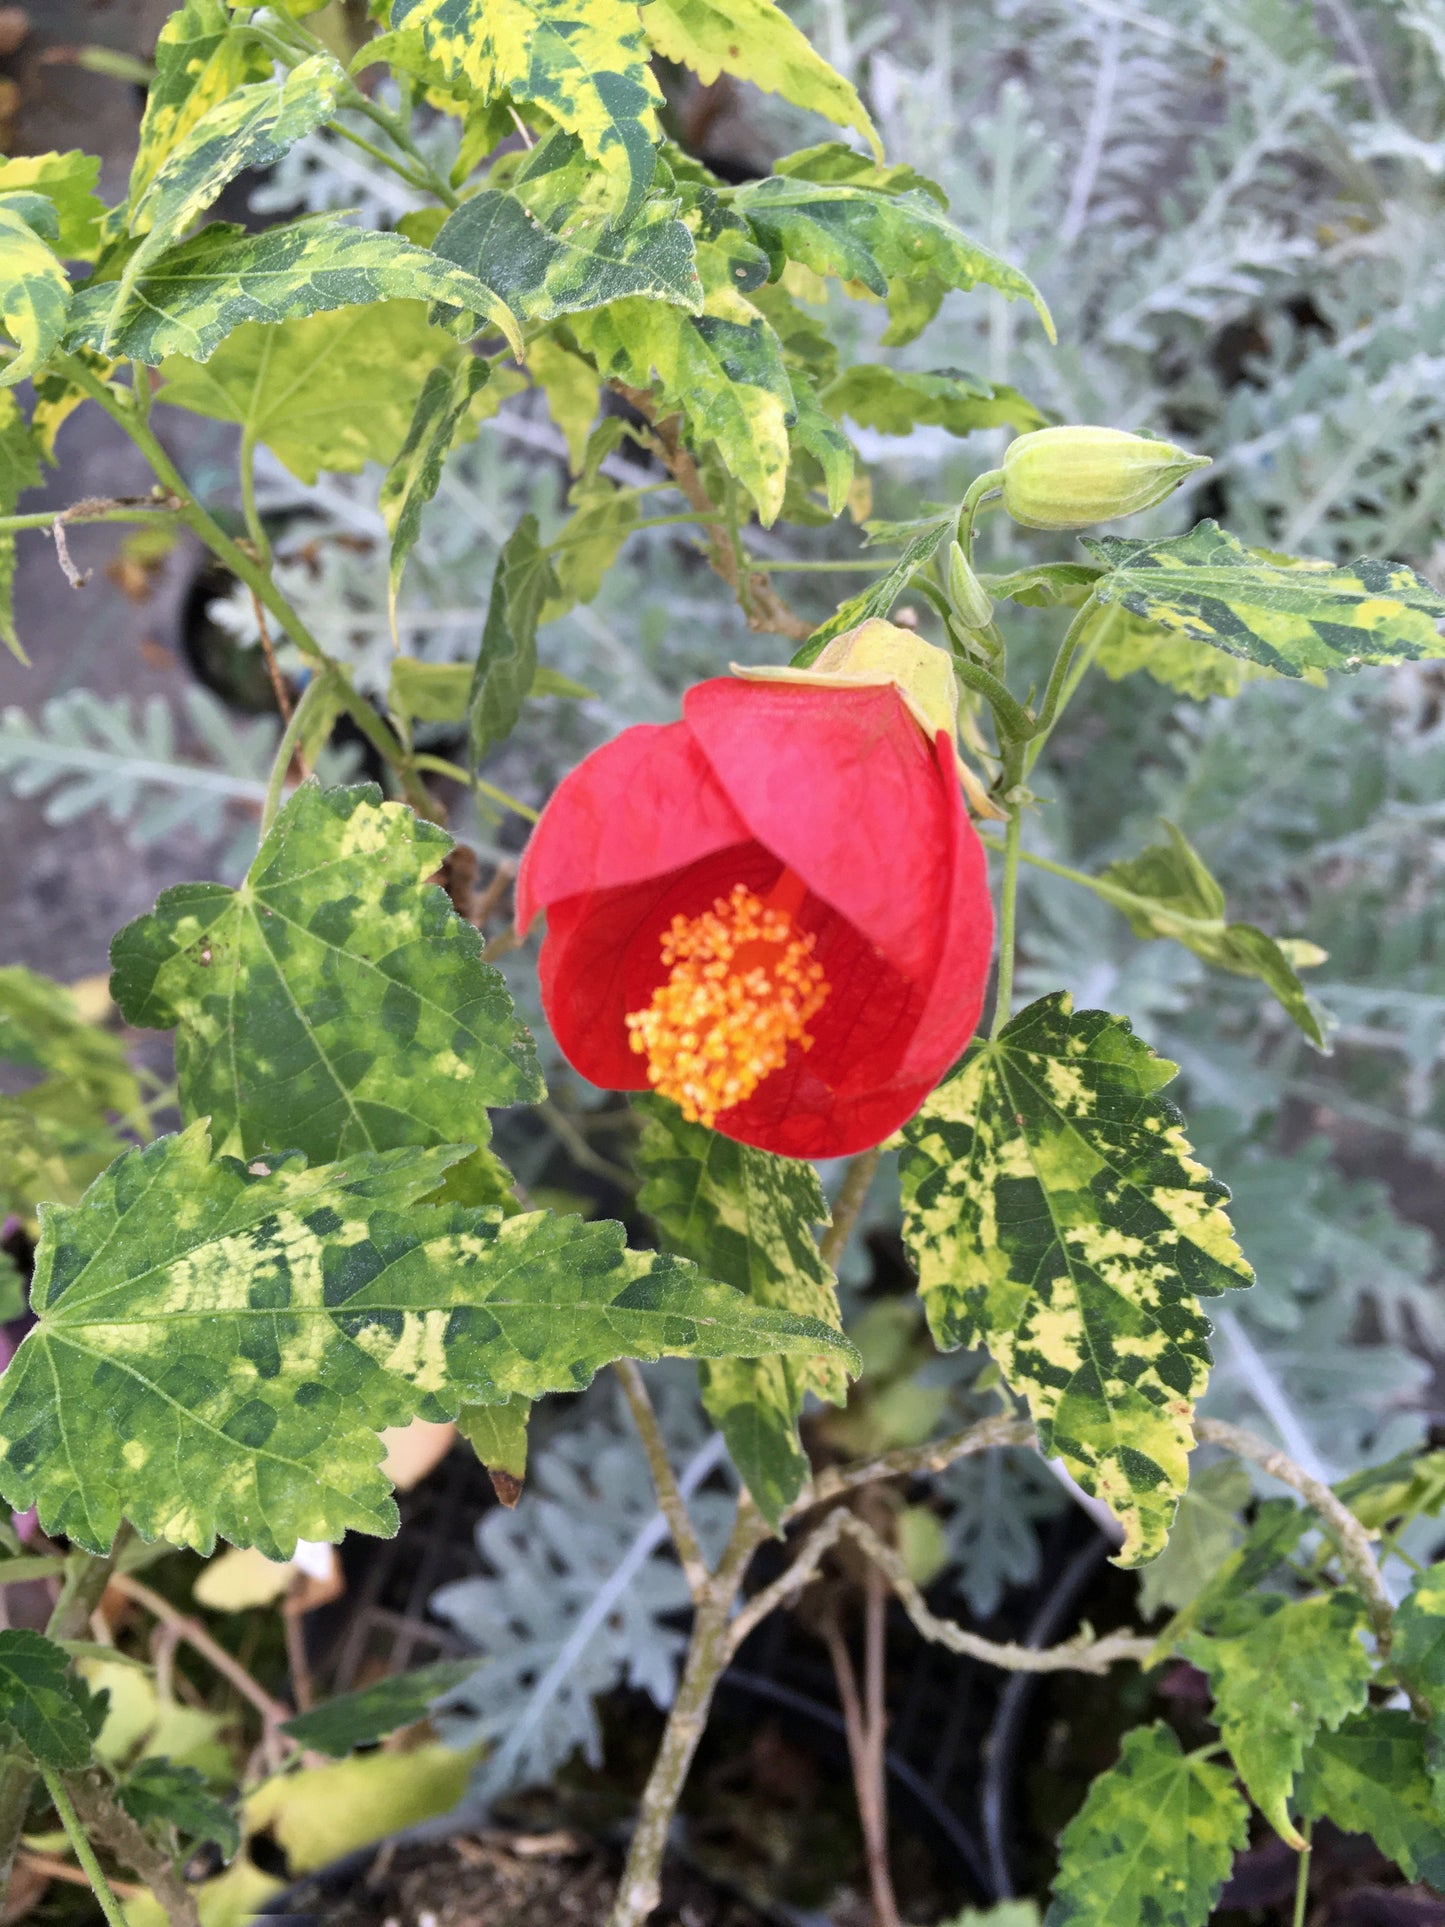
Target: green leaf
{"type": "Point", "coordinates": [546, 249]}
{"type": "Point", "coordinates": [1290, 613]}
{"type": "Point", "coordinates": [589, 542]}
{"type": "Point", "coordinates": [436, 692]}
{"type": "Point", "coordinates": [202, 57]}
{"type": "Point", "coordinates": [358, 1719]}
{"type": "Point", "coordinates": [1168, 891]}
{"type": "Point", "coordinates": [41, 1029]}
{"type": "Point", "coordinates": [1206, 1530]}
{"type": "Point", "coordinates": [584, 61]}
{"type": "Point", "coordinates": [498, 1436]}
{"type": "Point", "coordinates": [1057, 1215]}
{"type": "Point", "coordinates": [723, 368]}
{"type": "Point", "coordinates": [19, 470]}
{"type": "Point", "coordinates": [51, 1146]}
{"type": "Point", "coordinates": [574, 394]}
{"type": "Point", "coordinates": [747, 1217]}
{"type": "Point", "coordinates": [196, 294]}
{"type": "Point", "coordinates": [294, 386]}
{"type": "Point", "coordinates": [894, 245]}
{"type": "Point", "coordinates": [1044, 585]}
{"type": "Point", "coordinates": [12, 1289]}
{"type": "Point", "coordinates": [160, 1793]}
{"type": "Point", "coordinates": [816, 431]}
{"type": "Point", "coordinates": [895, 401]}
{"type": "Point", "coordinates": [38, 1700]}
{"type": "Point", "coordinates": [754, 40]}
{"type": "Point", "coordinates": [252, 127]}
{"type": "Point", "coordinates": [335, 1002]}
{"type": "Point", "coordinates": [1418, 1654]}
{"type": "Point", "coordinates": [1372, 1776]}
{"type": "Point", "coordinates": [1125, 644]}
{"type": "Point", "coordinates": [442, 405]}
{"type": "Point", "coordinates": [1154, 1841]}
{"type": "Point", "coordinates": [219, 1343]}
{"type": "Point", "coordinates": [1279, 1670]}
{"type": "Point", "coordinates": [68, 181]}
{"type": "Point", "coordinates": [879, 600]}
{"type": "Point", "coordinates": [1274, 1533]}
{"type": "Point", "coordinates": [506, 665]}
{"type": "Point", "coordinates": [34, 297]}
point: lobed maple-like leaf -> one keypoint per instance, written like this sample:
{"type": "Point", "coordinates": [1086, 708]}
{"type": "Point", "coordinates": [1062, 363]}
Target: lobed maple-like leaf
{"type": "Point", "coordinates": [39, 1702]}
{"type": "Point", "coordinates": [218, 1344]}
{"type": "Point", "coordinates": [35, 297]}
{"type": "Point", "coordinates": [1372, 1776]}
{"type": "Point", "coordinates": [335, 1002]}
{"type": "Point", "coordinates": [1057, 1215]}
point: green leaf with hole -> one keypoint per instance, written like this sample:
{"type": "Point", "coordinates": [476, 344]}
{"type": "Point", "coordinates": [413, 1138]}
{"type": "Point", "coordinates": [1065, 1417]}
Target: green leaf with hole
{"type": "Point", "coordinates": [1057, 1215]}
{"type": "Point", "coordinates": [899, 247]}
{"type": "Point", "coordinates": [548, 247]}
{"type": "Point", "coordinates": [723, 368]}
{"type": "Point", "coordinates": [747, 1217]}
{"type": "Point", "coordinates": [294, 387]}
{"type": "Point", "coordinates": [19, 470]}
{"type": "Point", "coordinates": [68, 182]}
{"type": "Point", "coordinates": [1154, 1841]}
{"type": "Point", "coordinates": [202, 57]}
{"type": "Point", "coordinates": [1290, 613]}
{"type": "Point", "coordinates": [1281, 1669]}
{"type": "Point", "coordinates": [1169, 891]}
{"type": "Point", "coordinates": [334, 1003]}
{"type": "Point", "coordinates": [220, 1342]}
{"type": "Point", "coordinates": [584, 61]}
{"type": "Point", "coordinates": [35, 298]}
{"type": "Point", "coordinates": [506, 665]}
{"type": "Point", "coordinates": [895, 401]}
{"type": "Point", "coordinates": [38, 1700]}
{"type": "Point", "coordinates": [360, 1719]}
{"type": "Point", "coordinates": [161, 1795]}
{"type": "Point", "coordinates": [194, 295]}
{"type": "Point", "coordinates": [1372, 1776]}
{"type": "Point", "coordinates": [754, 40]}
{"type": "Point", "coordinates": [251, 128]}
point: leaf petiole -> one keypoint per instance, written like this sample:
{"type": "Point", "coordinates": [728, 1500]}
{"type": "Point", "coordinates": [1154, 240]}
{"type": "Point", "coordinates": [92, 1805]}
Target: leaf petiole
{"type": "Point", "coordinates": [84, 1853]}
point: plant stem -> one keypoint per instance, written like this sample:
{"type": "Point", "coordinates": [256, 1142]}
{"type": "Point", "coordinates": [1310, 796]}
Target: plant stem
{"type": "Point", "coordinates": [75, 1833]}
{"type": "Point", "coordinates": [311, 697]}
{"type": "Point", "coordinates": [848, 1203]}
{"type": "Point", "coordinates": [439, 766]}
{"type": "Point", "coordinates": [978, 492]}
{"type": "Point", "coordinates": [868, 1782]}
{"type": "Point", "coordinates": [139, 512]}
{"type": "Point", "coordinates": [674, 1506]}
{"type": "Point", "coordinates": [1302, 1876]}
{"type": "Point", "coordinates": [1061, 685]}
{"type": "Point", "coordinates": [908, 1460]}
{"type": "Point", "coordinates": [106, 1821]}
{"type": "Point", "coordinates": [1114, 893]}
{"type": "Point", "coordinates": [1007, 921]}
{"type": "Point", "coordinates": [255, 527]}
{"type": "Point", "coordinates": [1015, 723]}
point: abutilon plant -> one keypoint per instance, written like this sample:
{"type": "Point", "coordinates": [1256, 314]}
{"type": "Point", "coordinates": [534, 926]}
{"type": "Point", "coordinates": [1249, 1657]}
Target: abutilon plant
{"type": "Point", "coordinates": [771, 921]}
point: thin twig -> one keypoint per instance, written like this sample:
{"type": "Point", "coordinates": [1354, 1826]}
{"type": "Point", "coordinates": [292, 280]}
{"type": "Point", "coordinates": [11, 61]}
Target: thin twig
{"type": "Point", "coordinates": [866, 1785]}
{"type": "Point", "coordinates": [278, 685]}
{"type": "Point", "coordinates": [578, 1149]}
{"type": "Point", "coordinates": [107, 1822]}
{"type": "Point", "coordinates": [669, 1498]}
{"type": "Point", "coordinates": [49, 1868]}
{"type": "Point", "coordinates": [909, 1460]}
{"type": "Point", "coordinates": [1341, 1524]}
{"type": "Point", "coordinates": [62, 550]}
{"type": "Point", "coordinates": [1081, 1654]}
{"type": "Point", "coordinates": [272, 1711]}
{"type": "Point", "coordinates": [847, 1205]}
{"type": "Point", "coordinates": [81, 1847]}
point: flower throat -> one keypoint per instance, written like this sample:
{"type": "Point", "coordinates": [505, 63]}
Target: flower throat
{"type": "Point", "coordinates": [742, 986]}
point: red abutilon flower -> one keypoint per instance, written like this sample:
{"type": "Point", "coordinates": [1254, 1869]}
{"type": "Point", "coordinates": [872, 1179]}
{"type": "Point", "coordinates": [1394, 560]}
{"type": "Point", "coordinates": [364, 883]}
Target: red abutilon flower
{"type": "Point", "coordinates": [775, 912]}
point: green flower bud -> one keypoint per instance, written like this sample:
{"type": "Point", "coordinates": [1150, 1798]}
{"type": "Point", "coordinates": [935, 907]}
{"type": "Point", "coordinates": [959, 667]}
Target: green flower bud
{"type": "Point", "coordinates": [1069, 478]}
{"type": "Point", "coordinates": [966, 593]}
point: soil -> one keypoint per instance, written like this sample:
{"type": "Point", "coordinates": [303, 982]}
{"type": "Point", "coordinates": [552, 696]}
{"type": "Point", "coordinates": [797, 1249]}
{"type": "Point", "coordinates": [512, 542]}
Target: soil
{"type": "Point", "coordinates": [560, 1879]}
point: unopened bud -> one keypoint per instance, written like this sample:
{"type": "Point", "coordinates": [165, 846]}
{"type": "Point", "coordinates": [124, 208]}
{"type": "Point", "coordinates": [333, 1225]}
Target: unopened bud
{"type": "Point", "coordinates": [966, 593]}
{"type": "Point", "coordinates": [1070, 478]}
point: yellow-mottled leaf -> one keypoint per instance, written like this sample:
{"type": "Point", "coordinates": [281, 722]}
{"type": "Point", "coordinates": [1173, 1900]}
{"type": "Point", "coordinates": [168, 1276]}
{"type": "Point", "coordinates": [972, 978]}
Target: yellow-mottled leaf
{"type": "Point", "coordinates": [201, 58]}
{"type": "Point", "coordinates": [1057, 1215]}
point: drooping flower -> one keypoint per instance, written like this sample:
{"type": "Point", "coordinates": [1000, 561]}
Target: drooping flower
{"type": "Point", "coordinates": [774, 912]}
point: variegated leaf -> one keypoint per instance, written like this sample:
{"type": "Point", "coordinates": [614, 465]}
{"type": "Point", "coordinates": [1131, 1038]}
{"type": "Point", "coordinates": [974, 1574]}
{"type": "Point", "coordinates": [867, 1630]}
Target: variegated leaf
{"type": "Point", "coordinates": [68, 182]}
{"type": "Point", "coordinates": [584, 61]}
{"type": "Point", "coordinates": [546, 251]}
{"type": "Point", "coordinates": [895, 401]}
{"type": "Point", "coordinates": [202, 56]}
{"type": "Point", "coordinates": [442, 404]}
{"type": "Point", "coordinates": [251, 127]}
{"type": "Point", "coordinates": [754, 40]}
{"type": "Point", "coordinates": [294, 386]}
{"type": "Point", "coordinates": [1372, 1776]}
{"type": "Point", "coordinates": [723, 368]}
{"type": "Point", "coordinates": [1290, 613]}
{"type": "Point", "coordinates": [1057, 1215]}
{"type": "Point", "coordinates": [34, 295]}
{"type": "Point", "coordinates": [196, 294]}
{"type": "Point", "coordinates": [880, 598]}
{"type": "Point", "coordinates": [506, 664]}
{"type": "Point", "coordinates": [747, 1217]}
{"type": "Point", "coordinates": [334, 1003]}
{"type": "Point", "coordinates": [219, 1343]}
{"type": "Point", "coordinates": [892, 244]}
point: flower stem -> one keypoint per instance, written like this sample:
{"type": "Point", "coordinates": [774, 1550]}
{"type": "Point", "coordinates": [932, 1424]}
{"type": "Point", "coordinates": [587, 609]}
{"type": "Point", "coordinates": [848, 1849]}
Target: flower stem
{"type": "Point", "coordinates": [1061, 685]}
{"type": "Point", "coordinates": [75, 1833]}
{"type": "Point", "coordinates": [977, 493]}
{"type": "Point", "coordinates": [1007, 921]}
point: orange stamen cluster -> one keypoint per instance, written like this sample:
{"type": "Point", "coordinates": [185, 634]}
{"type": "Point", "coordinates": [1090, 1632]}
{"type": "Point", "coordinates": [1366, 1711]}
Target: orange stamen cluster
{"type": "Point", "coordinates": [742, 987]}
